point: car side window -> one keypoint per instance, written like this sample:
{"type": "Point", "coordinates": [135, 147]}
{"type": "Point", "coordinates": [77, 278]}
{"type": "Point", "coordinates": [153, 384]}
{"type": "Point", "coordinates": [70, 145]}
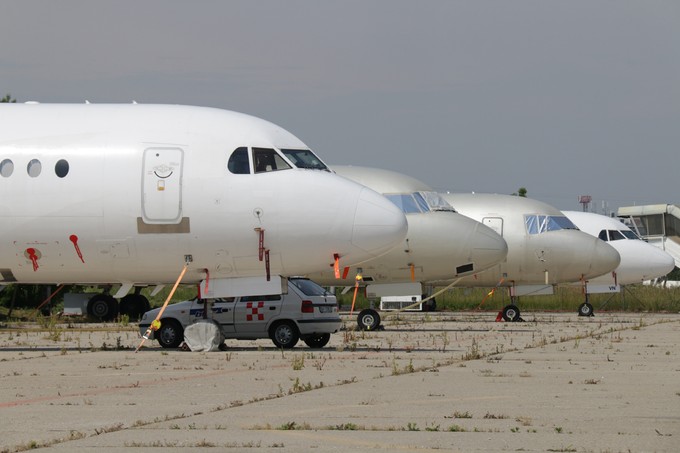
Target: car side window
{"type": "Point", "coordinates": [268, 298]}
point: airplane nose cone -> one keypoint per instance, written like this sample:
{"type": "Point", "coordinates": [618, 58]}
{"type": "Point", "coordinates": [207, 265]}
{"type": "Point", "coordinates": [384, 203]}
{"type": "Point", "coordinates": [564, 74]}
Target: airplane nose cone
{"type": "Point", "coordinates": [658, 264]}
{"type": "Point", "coordinates": [603, 259]}
{"type": "Point", "coordinates": [378, 224]}
{"type": "Point", "coordinates": [643, 261]}
{"type": "Point", "coordinates": [487, 248]}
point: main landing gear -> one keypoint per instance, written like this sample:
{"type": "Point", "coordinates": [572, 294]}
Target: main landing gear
{"type": "Point", "coordinates": [105, 307]}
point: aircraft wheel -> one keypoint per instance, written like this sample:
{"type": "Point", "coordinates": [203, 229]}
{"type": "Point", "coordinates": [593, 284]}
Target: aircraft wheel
{"type": "Point", "coordinates": [511, 313]}
{"type": "Point", "coordinates": [284, 335]}
{"type": "Point", "coordinates": [368, 319]}
{"type": "Point", "coordinates": [134, 305]}
{"type": "Point", "coordinates": [170, 335]}
{"type": "Point", "coordinates": [318, 341]}
{"type": "Point", "coordinates": [102, 306]}
{"type": "Point", "coordinates": [585, 309]}
{"type": "Point", "coordinates": [430, 305]}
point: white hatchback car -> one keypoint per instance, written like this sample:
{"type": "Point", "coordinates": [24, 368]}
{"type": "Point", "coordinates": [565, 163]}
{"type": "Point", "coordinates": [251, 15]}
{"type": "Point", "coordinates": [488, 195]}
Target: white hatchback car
{"type": "Point", "coordinates": [306, 312]}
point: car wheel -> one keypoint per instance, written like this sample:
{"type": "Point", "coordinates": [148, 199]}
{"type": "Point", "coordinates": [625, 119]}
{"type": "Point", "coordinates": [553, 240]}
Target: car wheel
{"type": "Point", "coordinates": [170, 335]}
{"type": "Point", "coordinates": [103, 307]}
{"type": "Point", "coordinates": [284, 335]}
{"type": "Point", "coordinates": [511, 313]}
{"type": "Point", "coordinates": [318, 341]}
{"type": "Point", "coordinates": [585, 309]}
{"type": "Point", "coordinates": [368, 319]}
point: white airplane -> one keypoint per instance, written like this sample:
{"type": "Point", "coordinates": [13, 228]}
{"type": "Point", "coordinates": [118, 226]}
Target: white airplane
{"type": "Point", "coordinates": [130, 194]}
{"type": "Point", "coordinates": [544, 247]}
{"type": "Point", "coordinates": [441, 244]}
{"type": "Point", "coordinates": [639, 260]}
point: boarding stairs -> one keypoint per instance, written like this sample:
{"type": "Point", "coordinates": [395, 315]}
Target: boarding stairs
{"type": "Point", "coordinates": [657, 224]}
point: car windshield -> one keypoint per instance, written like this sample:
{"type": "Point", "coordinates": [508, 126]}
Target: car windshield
{"type": "Point", "coordinates": [537, 224]}
{"type": "Point", "coordinates": [304, 158]}
{"type": "Point", "coordinates": [308, 287]}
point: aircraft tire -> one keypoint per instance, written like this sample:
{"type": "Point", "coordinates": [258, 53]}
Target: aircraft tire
{"type": "Point", "coordinates": [368, 319]}
{"type": "Point", "coordinates": [284, 334]}
{"type": "Point", "coordinates": [585, 309]}
{"type": "Point", "coordinates": [134, 305]}
{"type": "Point", "coordinates": [430, 305]}
{"type": "Point", "coordinates": [511, 313]}
{"type": "Point", "coordinates": [318, 341]}
{"type": "Point", "coordinates": [102, 307]}
{"type": "Point", "coordinates": [170, 335]}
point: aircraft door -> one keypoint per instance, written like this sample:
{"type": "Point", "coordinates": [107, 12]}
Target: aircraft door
{"type": "Point", "coordinates": [253, 313]}
{"type": "Point", "coordinates": [495, 223]}
{"type": "Point", "coordinates": [162, 185]}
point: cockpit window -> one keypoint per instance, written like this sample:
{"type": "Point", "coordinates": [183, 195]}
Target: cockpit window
{"type": "Point", "coordinates": [617, 235]}
{"type": "Point", "coordinates": [304, 158]}
{"type": "Point", "coordinates": [238, 161]}
{"type": "Point", "coordinates": [419, 202]}
{"type": "Point", "coordinates": [436, 202]}
{"type": "Point", "coordinates": [630, 234]}
{"type": "Point", "coordinates": [267, 159]}
{"type": "Point", "coordinates": [537, 224]}
{"type": "Point", "coordinates": [422, 203]}
{"type": "Point", "coordinates": [405, 202]}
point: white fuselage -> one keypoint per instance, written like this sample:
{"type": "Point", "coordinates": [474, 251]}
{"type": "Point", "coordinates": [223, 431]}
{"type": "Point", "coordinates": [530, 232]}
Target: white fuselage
{"type": "Point", "coordinates": [545, 256]}
{"type": "Point", "coordinates": [440, 244]}
{"type": "Point", "coordinates": [640, 261]}
{"type": "Point", "coordinates": [123, 193]}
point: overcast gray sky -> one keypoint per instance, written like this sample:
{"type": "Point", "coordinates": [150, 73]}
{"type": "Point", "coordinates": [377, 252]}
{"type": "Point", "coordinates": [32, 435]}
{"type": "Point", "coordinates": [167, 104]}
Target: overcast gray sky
{"type": "Point", "coordinates": [564, 98]}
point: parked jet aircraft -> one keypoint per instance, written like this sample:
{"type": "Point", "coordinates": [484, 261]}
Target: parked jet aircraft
{"type": "Point", "coordinates": [441, 243]}
{"type": "Point", "coordinates": [639, 260]}
{"type": "Point", "coordinates": [127, 194]}
{"type": "Point", "coordinates": [544, 247]}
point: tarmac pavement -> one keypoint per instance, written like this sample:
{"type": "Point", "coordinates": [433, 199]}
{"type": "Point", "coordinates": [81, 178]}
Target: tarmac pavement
{"type": "Point", "coordinates": [440, 381]}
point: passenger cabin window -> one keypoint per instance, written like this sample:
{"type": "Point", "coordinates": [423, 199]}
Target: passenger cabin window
{"type": "Point", "coordinates": [304, 158]}
{"type": "Point", "coordinates": [34, 168]}
{"type": "Point", "coordinates": [61, 168]}
{"type": "Point", "coordinates": [537, 224]}
{"type": "Point", "coordinates": [267, 159]}
{"type": "Point", "coordinates": [238, 161]}
{"type": "Point", "coordinates": [6, 168]}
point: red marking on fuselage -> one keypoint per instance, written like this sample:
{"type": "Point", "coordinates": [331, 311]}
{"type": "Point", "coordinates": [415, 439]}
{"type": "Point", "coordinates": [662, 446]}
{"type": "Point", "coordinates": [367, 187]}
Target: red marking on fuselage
{"type": "Point", "coordinates": [73, 238]}
{"type": "Point", "coordinates": [33, 257]}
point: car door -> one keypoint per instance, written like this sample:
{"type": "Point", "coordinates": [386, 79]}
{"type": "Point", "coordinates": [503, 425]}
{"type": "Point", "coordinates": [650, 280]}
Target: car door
{"type": "Point", "coordinates": [223, 313]}
{"type": "Point", "coordinates": [253, 313]}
